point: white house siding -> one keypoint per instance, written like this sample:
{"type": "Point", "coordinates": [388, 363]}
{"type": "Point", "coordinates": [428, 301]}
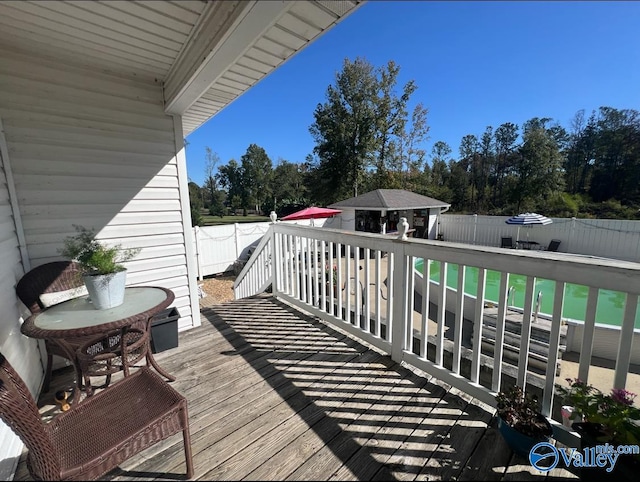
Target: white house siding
{"type": "Point", "coordinates": [22, 351]}
{"type": "Point", "coordinates": [96, 149]}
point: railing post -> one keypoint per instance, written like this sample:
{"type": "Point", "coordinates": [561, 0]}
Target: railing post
{"type": "Point", "coordinates": [237, 241]}
{"type": "Point", "coordinates": [398, 311]}
{"type": "Point", "coordinates": [196, 232]}
{"type": "Point", "coordinates": [275, 262]}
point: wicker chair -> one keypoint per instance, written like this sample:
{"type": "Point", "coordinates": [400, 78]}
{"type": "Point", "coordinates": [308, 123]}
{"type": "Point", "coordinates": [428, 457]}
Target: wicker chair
{"type": "Point", "coordinates": [49, 278]}
{"type": "Point", "coordinates": [94, 437]}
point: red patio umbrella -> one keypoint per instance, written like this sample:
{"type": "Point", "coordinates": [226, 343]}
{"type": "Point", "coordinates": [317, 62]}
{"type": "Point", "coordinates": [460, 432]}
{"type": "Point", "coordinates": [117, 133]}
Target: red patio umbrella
{"type": "Point", "coordinates": [311, 213]}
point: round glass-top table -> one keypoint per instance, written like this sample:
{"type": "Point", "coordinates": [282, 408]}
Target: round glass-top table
{"type": "Point", "coordinates": [68, 323]}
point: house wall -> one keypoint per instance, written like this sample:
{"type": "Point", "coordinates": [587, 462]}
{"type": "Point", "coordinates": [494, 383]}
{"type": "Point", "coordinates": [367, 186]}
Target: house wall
{"type": "Point", "coordinates": [23, 352]}
{"type": "Point", "coordinates": [92, 149]}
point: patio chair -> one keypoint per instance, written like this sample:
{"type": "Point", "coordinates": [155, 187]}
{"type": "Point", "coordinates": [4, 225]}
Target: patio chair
{"type": "Point", "coordinates": [46, 285]}
{"type": "Point", "coordinates": [507, 242]}
{"type": "Point", "coordinates": [554, 245]}
{"type": "Point", "coordinates": [95, 436]}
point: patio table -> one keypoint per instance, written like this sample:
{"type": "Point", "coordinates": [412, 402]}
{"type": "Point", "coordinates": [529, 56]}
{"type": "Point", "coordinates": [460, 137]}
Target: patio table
{"type": "Point", "coordinates": [526, 244]}
{"type": "Point", "coordinates": [77, 318]}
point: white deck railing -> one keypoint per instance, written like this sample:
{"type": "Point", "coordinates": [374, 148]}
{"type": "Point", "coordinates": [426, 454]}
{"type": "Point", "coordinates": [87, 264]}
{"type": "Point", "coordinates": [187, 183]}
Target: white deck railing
{"type": "Point", "coordinates": [374, 298]}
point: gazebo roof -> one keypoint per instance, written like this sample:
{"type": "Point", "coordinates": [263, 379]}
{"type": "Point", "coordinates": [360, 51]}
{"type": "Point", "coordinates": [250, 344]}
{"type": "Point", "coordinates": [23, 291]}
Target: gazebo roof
{"type": "Point", "coordinates": [390, 199]}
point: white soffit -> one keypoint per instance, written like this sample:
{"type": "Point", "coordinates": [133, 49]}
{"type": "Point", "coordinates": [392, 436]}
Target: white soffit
{"type": "Point", "coordinates": [140, 39]}
{"type": "Point", "coordinates": [268, 35]}
{"type": "Point", "coordinates": [205, 52]}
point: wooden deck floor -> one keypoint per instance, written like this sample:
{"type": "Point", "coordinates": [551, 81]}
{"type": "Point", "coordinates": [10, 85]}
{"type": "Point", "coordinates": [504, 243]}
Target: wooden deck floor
{"type": "Point", "coordinates": [277, 395]}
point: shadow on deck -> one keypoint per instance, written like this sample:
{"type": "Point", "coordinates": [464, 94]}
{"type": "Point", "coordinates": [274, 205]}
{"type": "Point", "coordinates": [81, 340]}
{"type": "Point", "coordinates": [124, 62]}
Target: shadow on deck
{"type": "Point", "coordinates": [275, 394]}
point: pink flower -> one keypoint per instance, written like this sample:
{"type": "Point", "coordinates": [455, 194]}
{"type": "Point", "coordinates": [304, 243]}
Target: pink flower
{"type": "Point", "coordinates": [623, 396]}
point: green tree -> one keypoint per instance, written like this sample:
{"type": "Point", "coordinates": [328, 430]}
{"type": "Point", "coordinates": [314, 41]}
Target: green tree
{"type": "Point", "coordinates": [470, 162]}
{"type": "Point", "coordinates": [616, 170]}
{"type": "Point", "coordinates": [440, 158]}
{"type": "Point", "coordinates": [505, 159]}
{"type": "Point", "coordinates": [231, 178]}
{"type": "Point", "coordinates": [256, 176]}
{"type": "Point", "coordinates": [539, 168]}
{"type": "Point", "coordinates": [195, 203]}
{"type": "Point", "coordinates": [344, 131]}
{"type": "Point", "coordinates": [288, 184]}
{"type": "Point", "coordinates": [210, 184]}
{"type": "Point", "coordinates": [487, 156]}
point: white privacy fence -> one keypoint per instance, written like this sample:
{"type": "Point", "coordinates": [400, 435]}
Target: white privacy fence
{"type": "Point", "coordinates": [619, 239]}
{"type": "Point", "coordinates": [217, 248]}
{"type": "Point", "coordinates": [365, 284]}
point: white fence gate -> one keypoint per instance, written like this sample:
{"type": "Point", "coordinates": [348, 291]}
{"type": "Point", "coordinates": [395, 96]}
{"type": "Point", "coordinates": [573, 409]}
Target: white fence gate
{"type": "Point", "coordinates": [618, 239]}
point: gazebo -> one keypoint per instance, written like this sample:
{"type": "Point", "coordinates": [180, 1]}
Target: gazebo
{"type": "Point", "coordinates": [379, 212]}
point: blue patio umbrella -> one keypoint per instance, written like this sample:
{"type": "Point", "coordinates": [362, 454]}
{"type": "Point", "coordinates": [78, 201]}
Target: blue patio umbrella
{"type": "Point", "coordinates": [528, 219]}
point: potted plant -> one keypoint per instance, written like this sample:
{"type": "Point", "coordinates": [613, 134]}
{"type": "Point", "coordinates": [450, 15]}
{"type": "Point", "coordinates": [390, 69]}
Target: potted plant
{"type": "Point", "coordinates": [334, 278]}
{"type": "Point", "coordinates": [104, 275]}
{"type": "Point", "coordinates": [605, 419]}
{"type": "Point", "coordinates": [520, 422]}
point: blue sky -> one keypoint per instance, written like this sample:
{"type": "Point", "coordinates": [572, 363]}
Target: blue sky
{"type": "Point", "coordinates": [475, 64]}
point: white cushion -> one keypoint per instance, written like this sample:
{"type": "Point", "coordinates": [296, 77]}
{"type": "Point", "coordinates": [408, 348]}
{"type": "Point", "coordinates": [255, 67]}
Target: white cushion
{"type": "Point", "coordinates": [50, 299]}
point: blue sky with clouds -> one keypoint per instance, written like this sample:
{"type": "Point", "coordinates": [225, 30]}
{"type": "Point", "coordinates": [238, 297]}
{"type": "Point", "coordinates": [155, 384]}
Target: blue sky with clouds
{"type": "Point", "coordinates": [475, 64]}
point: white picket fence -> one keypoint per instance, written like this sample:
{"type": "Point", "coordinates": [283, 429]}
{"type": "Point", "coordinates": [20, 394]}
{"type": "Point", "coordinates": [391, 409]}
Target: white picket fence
{"type": "Point", "coordinates": [618, 239]}
{"type": "Point", "coordinates": [219, 247]}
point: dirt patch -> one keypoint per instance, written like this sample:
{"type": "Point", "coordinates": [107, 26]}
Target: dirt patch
{"type": "Point", "coordinates": [218, 289]}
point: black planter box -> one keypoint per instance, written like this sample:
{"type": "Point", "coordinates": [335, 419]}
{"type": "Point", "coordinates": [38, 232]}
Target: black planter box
{"type": "Point", "coordinates": [164, 330]}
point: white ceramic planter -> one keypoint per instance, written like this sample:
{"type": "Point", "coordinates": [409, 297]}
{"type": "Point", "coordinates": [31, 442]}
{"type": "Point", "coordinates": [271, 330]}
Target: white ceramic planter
{"type": "Point", "coordinates": [106, 290]}
{"type": "Point", "coordinates": [568, 417]}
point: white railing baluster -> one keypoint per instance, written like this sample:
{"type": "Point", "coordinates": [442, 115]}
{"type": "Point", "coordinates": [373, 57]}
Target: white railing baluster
{"type": "Point", "coordinates": [391, 263]}
{"type": "Point", "coordinates": [554, 345]}
{"type": "Point", "coordinates": [459, 319]}
{"type": "Point", "coordinates": [478, 324]}
{"type": "Point", "coordinates": [586, 347]}
{"type": "Point", "coordinates": [525, 335]}
{"type": "Point", "coordinates": [323, 274]}
{"type": "Point", "coordinates": [378, 298]}
{"type": "Point", "coordinates": [444, 266]}
{"type": "Point", "coordinates": [345, 285]}
{"type": "Point", "coordinates": [332, 283]}
{"type": "Point", "coordinates": [338, 290]}
{"type": "Point", "coordinates": [308, 271]}
{"type": "Point", "coordinates": [411, 293]}
{"type": "Point", "coordinates": [626, 341]}
{"type": "Point", "coordinates": [356, 287]}
{"type": "Point", "coordinates": [424, 319]}
{"type": "Point", "coordinates": [367, 300]}
{"type": "Point", "coordinates": [498, 347]}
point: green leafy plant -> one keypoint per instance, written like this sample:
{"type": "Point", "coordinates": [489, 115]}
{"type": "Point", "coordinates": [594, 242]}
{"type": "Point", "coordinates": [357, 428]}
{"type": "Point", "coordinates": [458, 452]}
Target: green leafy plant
{"type": "Point", "coordinates": [615, 412]}
{"type": "Point", "coordinates": [521, 412]}
{"type": "Point", "coordinates": [93, 256]}
{"type": "Point", "coordinates": [334, 274]}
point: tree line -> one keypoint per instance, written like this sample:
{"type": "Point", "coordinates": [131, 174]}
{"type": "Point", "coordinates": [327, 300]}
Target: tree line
{"type": "Point", "coordinates": [366, 138]}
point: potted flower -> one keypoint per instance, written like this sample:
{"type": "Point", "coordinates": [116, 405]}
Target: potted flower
{"type": "Point", "coordinates": [614, 414]}
{"type": "Point", "coordinates": [520, 421]}
{"type": "Point", "coordinates": [611, 419]}
{"type": "Point", "coordinates": [104, 275]}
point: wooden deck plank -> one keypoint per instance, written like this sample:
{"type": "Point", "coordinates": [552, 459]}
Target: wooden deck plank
{"type": "Point", "coordinates": [275, 394]}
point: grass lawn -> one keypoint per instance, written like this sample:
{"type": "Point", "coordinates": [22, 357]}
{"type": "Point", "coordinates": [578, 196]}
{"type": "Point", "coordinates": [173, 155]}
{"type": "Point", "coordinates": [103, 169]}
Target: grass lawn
{"type": "Point", "coordinates": [217, 220]}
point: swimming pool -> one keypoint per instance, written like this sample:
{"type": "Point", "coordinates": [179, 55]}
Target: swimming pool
{"type": "Point", "coordinates": [610, 310]}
